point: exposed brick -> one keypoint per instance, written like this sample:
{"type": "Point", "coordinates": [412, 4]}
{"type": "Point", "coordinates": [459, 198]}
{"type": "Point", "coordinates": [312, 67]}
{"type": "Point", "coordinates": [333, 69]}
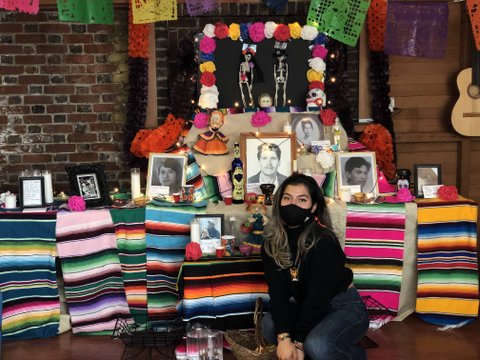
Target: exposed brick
{"type": "Point", "coordinates": [78, 39]}
{"type": "Point", "coordinates": [82, 90]}
{"type": "Point", "coordinates": [51, 49]}
{"type": "Point", "coordinates": [10, 49]}
{"type": "Point", "coordinates": [59, 157]}
{"type": "Point", "coordinates": [84, 157]}
{"type": "Point", "coordinates": [35, 129]}
{"type": "Point", "coordinates": [78, 59]}
{"type": "Point", "coordinates": [105, 117]}
{"type": "Point", "coordinates": [101, 68]}
{"type": "Point", "coordinates": [6, 39]}
{"type": "Point", "coordinates": [54, 69]}
{"type": "Point", "coordinates": [80, 128]}
{"type": "Point", "coordinates": [14, 100]}
{"type": "Point", "coordinates": [81, 138]}
{"type": "Point", "coordinates": [98, 28]}
{"type": "Point", "coordinates": [58, 129]}
{"type": "Point", "coordinates": [31, 59]}
{"type": "Point", "coordinates": [84, 99]}
{"type": "Point", "coordinates": [57, 79]}
{"type": "Point", "coordinates": [54, 39]}
{"type": "Point", "coordinates": [31, 28]}
{"type": "Point", "coordinates": [73, 118]}
{"type": "Point", "coordinates": [59, 89]}
{"type": "Point", "coordinates": [62, 99]}
{"type": "Point", "coordinates": [36, 158]}
{"type": "Point", "coordinates": [34, 99]}
{"type": "Point", "coordinates": [95, 49]}
{"type": "Point", "coordinates": [6, 59]}
{"type": "Point", "coordinates": [60, 108]}
{"type": "Point", "coordinates": [30, 38]}
{"type": "Point", "coordinates": [11, 28]}
{"type": "Point", "coordinates": [13, 89]}
{"type": "Point", "coordinates": [55, 28]}
{"type": "Point", "coordinates": [75, 49]}
{"type": "Point", "coordinates": [10, 80]}
{"type": "Point", "coordinates": [105, 147]}
{"type": "Point", "coordinates": [97, 127]}
{"type": "Point", "coordinates": [14, 159]}
{"type": "Point", "coordinates": [37, 119]}
{"type": "Point", "coordinates": [80, 79]}
{"type": "Point", "coordinates": [60, 119]}
{"type": "Point", "coordinates": [102, 89]}
{"type": "Point", "coordinates": [103, 107]}
{"type": "Point", "coordinates": [11, 70]}
{"type": "Point", "coordinates": [33, 79]}
{"type": "Point", "coordinates": [80, 29]}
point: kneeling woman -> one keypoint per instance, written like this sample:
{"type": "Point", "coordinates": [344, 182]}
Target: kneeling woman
{"type": "Point", "coordinates": [316, 312]}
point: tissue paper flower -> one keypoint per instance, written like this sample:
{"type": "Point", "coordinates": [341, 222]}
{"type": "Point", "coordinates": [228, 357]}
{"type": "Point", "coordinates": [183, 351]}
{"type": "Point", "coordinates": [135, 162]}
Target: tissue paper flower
{"type": "Point", "coordinates": [221, 30]}
{"type": "Point", "coordinates": [325, 159]}
{"type": "Point", "coordinates": [193, 251]}
{"type": "Point", "coordinates": [281, 33]}
{"type": "Point", "coordinates": [76, 203]}
{"type": "Point", "coordinates": [208, 79]}
{"type": "Point", "coordinates": [207, 45]}
{"type": "Point", "coordinates": [209, 30]}
{"type": "Point", "coordinates": [313, 75]}
{"type": "Point", "coordinates": [257, 31]}
{"type": "Point", "coordinates": [270, 27]}
{"type": "Point", "coordinates": [309, 32]}
{"type": "Point", "coordinates": [208, 66]}
{"type": "Point", "coordinates": [201, 120]}
{"type": "Point", "coordinates": [234, 31]}
{"type": "Point", "coordinates": [317, 64]}
{"type": "Point", "coordinates": [319, 51]}
{"type": "Point", "coordinates": [295, 30]}
{"type": "Point", "coordinates": [447, 192]}
{"type": "Point", "coordinates": [260, 118]}
{"type": "Point", "coordinates": [208, 100]}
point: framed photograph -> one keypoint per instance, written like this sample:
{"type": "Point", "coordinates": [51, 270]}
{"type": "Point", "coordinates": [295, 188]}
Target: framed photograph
{"type": "Point", "coordinates": [426, 175]}
{"type": "Point", "coordinates": [267, 158]}
{"type": "Point", "coordinates": [166, 174]}
{"type": "Point", "coordinates": [211, 229]}
{"type": "Point", "coordinates": [307, 128]}
{"type": "Point", "coordinates": [357, 171]}
{"type": "Point", "coordinates": [31, 191]}
{"type": "Point", "coordinates": [89, 181]}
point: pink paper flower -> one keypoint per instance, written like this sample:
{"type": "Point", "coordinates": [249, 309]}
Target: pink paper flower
{"type": "Point", "coordinates": [257, 31]}
{"type": "Point", "coordinates": [319, 51]}
{"type": "Point", "coordinates": [221, 30]}
{"type": "Point", "coordinates": [201, 120]}
{"type": "Point", "coordinates": [282, 32]}
{"type": "Point", "coordinates": [260, 118]}
{"type": "Point", "coordinates": [207, 45]}
{"type": "Point", "coordinates": [76, 203]}
{"type": "Point", "coordinates": [208, 79]}
{"type": "Point", "coordinates": [447, 192]}
{"type": "Point", "coordinates": [193, 251]}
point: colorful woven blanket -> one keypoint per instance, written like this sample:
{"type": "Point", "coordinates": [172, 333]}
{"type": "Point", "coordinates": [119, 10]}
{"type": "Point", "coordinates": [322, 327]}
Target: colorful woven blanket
{"type": "Point", "coordinates": [130, 232]}
{"type": "Point", "coordinates": [447, 292]}
{"type": "Point", "coordinates": [222, 290]}
{"type": "Point", "coordinates": [31, 306]}
{"type": "Point", "coordinates": [374, 248]}
{"type": "Point", "coordinates": [168, 232]}
{"type": "Point", "coordinates": [94, 288]}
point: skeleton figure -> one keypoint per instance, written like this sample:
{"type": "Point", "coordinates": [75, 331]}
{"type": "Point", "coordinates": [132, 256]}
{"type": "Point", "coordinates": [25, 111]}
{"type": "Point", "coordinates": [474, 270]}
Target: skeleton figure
{"type": "Point", "coordinates": [280, 74]}
{"type": "Point", "coordinates": [245, 75]}
{"type": "Point", "coordinates": [316, 98]}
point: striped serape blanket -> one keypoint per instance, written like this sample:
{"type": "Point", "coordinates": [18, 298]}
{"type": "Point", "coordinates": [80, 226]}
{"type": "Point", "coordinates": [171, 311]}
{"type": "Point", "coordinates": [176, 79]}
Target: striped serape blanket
{"type": "Point", "coordinates": [94, 288]}
{"type": "Point", "coordinates": [447, 291]}
{"type": "Point", "coordinates": [130, 232]}
{"type": "Point", "coordinates": [222, 291]}
{"type": "Point", "coordinates": [374, 248]}
{"type": "Point", "coordinates": [31, 305]}
{"type": "Point", "coordinates": [168, 232]}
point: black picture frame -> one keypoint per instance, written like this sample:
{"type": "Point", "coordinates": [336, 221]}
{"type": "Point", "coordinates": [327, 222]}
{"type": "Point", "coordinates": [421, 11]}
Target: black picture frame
{"type": "Point", "coordinates": [426, 174]}
{"type": "Point", "coordinates": [89, 181]}
{"type": "Point", "coordinates": [204, 219]}
{"type": "Point", "coordinates": [300, 120]}
{"type": "Point", "coordinates": [31, 190]}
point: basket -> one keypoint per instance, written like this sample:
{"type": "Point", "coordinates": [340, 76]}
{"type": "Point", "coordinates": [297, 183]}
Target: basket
{"type": "Point", "coordinates": [248, 345]}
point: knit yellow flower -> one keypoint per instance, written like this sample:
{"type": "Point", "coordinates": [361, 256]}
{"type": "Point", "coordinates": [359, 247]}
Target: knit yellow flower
{"type": "Point", "coordinates": [295, 30]}
{"type": "Point", "coordinates": [234, 31]}
{"type": "Point", "coordinates": [313, 75]}
{"type": "Point", "coordinates": [208, 66]}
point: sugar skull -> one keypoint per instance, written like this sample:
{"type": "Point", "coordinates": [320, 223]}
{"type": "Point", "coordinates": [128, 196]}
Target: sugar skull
{"type": "Point", "coordinates": [316, 97]}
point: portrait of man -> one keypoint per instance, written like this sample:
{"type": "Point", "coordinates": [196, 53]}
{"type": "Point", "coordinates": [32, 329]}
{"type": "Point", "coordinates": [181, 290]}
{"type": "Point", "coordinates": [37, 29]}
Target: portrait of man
{"type": "Point", "coordinates": [307, 128]}
{"type": "Point", "coordinates": [358, 169]}
{"type": "Point", "coordinates": [269, 159]}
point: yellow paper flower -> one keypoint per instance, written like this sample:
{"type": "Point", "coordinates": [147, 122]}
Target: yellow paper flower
{"type": "Point", "coordinates": [313, 75]}
{"type": "Point", "coordinates": [234, 31]}
{"type": "Point", "coordinates": [295, 30]}
{"type": "Point", "coordinates": [208, 66]}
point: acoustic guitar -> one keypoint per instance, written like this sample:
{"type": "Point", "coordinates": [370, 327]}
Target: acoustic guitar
{"type": "Point", "coordinates": [466, 112]}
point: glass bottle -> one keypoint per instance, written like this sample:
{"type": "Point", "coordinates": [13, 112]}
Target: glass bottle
{"type": "Point", "coordinates": [238, 179]}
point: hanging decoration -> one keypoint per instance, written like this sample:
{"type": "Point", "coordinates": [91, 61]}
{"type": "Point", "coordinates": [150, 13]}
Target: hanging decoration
{"type": "Point", "coordinates": [339, 19]}
{"type": "Point", "coordinates": [377, 138]}
{"type": "Point", "coordinates": [199, 7]}
{"type": "Point", "coordinates": [377, 22]}
{"type": "Point", "coordinates": [85, 11]}
{"type": "Point", "coordinates": [416, 29]}
{"type": "Point", "coordinates": [474, 13]}
{"type": "Point", "coordinates": [26, 6]}
{"type": "Point", "coordinates": [138, 36]}
{"type": "Point", "coordinates": [149, 11]}
{"type": "Point", "coordinates": [276, 5]}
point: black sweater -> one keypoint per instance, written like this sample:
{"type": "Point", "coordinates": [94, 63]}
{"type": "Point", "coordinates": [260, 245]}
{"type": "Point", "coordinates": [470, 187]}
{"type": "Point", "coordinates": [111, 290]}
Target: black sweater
{"type": "Point", "coordinates": [322, 275]}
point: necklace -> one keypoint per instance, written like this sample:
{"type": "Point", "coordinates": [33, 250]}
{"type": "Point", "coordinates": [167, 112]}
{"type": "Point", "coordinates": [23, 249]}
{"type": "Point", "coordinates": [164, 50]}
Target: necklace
{"type": "Point", "coordinates": [295, 270]}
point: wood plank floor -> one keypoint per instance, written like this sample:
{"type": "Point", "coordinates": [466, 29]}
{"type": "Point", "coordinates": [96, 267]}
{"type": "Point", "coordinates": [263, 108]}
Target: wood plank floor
{"type": "Point", "coordinates": [411, 339]}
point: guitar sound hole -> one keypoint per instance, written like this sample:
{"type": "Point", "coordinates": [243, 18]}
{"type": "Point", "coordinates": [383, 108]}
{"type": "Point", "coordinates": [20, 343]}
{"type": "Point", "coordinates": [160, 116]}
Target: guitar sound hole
{"type": "Point", "coordinates": [473, 91]}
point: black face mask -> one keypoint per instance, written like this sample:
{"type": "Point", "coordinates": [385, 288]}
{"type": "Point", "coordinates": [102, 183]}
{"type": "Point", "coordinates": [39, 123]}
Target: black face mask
{"type": "Point", "coordinates": [293, 215]}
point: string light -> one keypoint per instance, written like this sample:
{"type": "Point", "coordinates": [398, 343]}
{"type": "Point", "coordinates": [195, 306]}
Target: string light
{"type": "Point", "coordinates": [236, 104]}
{"type": "Point", "coordinates": [333, 79]}
{"type": "Point", "coordinates": [289, 101]}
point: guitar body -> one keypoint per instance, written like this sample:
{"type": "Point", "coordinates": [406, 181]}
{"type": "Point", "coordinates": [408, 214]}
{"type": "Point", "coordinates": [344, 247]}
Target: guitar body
{"type": "Point", "coordinates": [466, 112]}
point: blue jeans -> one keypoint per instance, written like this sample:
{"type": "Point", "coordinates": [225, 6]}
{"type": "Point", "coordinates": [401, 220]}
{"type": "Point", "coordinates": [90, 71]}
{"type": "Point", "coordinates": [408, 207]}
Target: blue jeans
{"type": "Point", "coordinates": [337, 335]}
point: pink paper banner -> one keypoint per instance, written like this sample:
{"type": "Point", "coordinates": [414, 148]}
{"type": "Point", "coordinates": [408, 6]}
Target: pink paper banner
{"type": "Point", "coordinates": [26, 6]}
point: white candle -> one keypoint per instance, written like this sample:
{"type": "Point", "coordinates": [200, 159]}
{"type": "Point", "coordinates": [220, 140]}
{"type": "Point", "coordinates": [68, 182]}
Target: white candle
{"type": "Point", "coordinates": [48, 189]}
{"type": "Point", "coordinates": [345, 194]}
{"type": "Point", "coordinates": [195, 231]}
{"type": "Point", "coordinates": [135, 183]}
{"type": "Point", "coordinates": [10, 201]}
{"type": "Point", "coordinates": [287, 128]}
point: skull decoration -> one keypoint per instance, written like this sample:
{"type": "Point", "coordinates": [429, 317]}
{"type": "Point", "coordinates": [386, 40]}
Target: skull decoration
{"type": "Point", "coordinates": [316, 97]}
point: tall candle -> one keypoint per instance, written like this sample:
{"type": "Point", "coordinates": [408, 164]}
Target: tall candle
{"type": "Point", "coordinates": [48, 189]}
{"type": "Point", "coordinates": [195, 231]}
{"type": "Point", "coordinates": [10, 201]}
{"type": "Point", "coordinates": [135, 182]}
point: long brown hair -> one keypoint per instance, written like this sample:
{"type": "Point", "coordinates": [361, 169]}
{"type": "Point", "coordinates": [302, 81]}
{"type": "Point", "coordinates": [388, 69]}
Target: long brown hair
{"type": "Point", "coordinates": [276, 242]}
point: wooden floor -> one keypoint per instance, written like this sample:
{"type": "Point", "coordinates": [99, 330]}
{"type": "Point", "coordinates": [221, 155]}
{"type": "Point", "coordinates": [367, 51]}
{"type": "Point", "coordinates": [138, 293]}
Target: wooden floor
{"type": "Point", "coordinates": [411, 339]}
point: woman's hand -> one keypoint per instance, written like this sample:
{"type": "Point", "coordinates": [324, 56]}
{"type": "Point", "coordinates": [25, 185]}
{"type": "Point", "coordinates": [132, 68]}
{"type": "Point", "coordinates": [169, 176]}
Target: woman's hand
{"type": "Point", "coordinates": [300, 354]}
{"type": "Point", "coordinates": [286, 350]}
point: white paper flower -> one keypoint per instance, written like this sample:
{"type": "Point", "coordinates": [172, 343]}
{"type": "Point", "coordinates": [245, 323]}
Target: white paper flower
{"type": "Point", "coordinates": [209, 30]}
{"type": "Point", "coordinates": [270, 27]}
{"type": "Point", "coordinates": [212, 89]}
{"type": "Point", "coordinates": [317, 64]}
{"type": "Point", "coordinates": [208, 100]}
{"type": "Point", "coordinates": [325, 159]}
{"type": "Point", "coordinates": [309, 32]}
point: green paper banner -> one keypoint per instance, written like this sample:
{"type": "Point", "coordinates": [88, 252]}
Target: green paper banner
{"type": "Point", "coordinates": [86, 11]}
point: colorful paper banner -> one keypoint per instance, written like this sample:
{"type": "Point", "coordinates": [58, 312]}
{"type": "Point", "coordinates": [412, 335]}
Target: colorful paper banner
{"type": "Point", "coordinates": [86, 11]}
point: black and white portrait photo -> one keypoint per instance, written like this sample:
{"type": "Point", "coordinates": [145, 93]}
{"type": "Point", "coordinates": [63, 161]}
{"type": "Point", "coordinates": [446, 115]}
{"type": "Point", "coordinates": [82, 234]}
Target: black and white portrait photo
{"type": "Point", "coordinates": [307, 128]}
{"type": "Point", "coordinates": [166, 174]}
{"type": "Point", "coordinates": [358, 169]}
{"type": "Point", "coordinates": [426, 175]}
{"type": "Point", "coordinates": [88, 186]}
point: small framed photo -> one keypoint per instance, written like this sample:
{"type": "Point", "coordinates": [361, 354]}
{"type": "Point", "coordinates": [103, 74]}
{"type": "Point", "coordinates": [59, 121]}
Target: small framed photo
{"type": "Point", "coordinates": [307, 128]}
{"type": "Point", "coordinates": [211, 229]}
{"type": "Point", "coordinates": [31, 191]}
{"type": "Point", "coordinates": [426, 175]}
{"type": "Point", "coordinates": [166, 174]}
{"type": "Point", "coordinates": [267, 158]}
{"type": "Point", "coordinates": [357, 170]}
{"type": "Point", "coordinates": [89, 181]}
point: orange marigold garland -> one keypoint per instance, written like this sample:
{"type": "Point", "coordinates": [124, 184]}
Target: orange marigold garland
{"type": "Point", "coordinates": [377, 138]}
{"type": "Point", "coordinates": [137, 37]}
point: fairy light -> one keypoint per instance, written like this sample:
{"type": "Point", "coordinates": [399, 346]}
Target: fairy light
{"type": "Point", "coordinates": [333, 79]}
{"type": "Point", "coordinates": [115, 190]}
{"type": "Point", "coordinates": [289, 101]}
{"type": "Point", "coordinates": [193, 101]}
{"type": "Point", "coordinates": [236, 104]}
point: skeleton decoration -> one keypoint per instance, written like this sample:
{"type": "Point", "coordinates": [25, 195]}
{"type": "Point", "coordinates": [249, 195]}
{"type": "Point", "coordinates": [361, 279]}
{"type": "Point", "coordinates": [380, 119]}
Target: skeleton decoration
{"type": "Point", "coordinates": [246, 74]}
{"type": "Point", "coordinates": [316, 98]}
{"type": "Point", "coordinates": [280, 73]}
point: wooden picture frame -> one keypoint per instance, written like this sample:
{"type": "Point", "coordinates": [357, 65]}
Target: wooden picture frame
{"type": "Point", "coordinates": [426, 174]}
{"type": "Point", "coordinates": [89, 181]}
{"type": "Point", "coordinates": [211, 230]}
{"type": "Point", "coordinates": [31, 190]}
{"type": "Point", "coordinates": [357, 168]}
{"type": "Point", "coordinates": [307, 128]}
{"type": "Point", "coordinates": [280, 149]}
{"type": "Point", "coordinates": [166, 174]}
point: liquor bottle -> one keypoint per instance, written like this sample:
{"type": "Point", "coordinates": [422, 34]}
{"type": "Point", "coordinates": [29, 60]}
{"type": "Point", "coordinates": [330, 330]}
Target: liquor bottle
{"type": "Point", "coordinates": [238, 192]}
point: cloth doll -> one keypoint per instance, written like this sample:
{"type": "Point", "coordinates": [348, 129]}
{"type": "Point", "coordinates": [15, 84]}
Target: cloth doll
{"type": "Point", "coordinates": [213, 142]}
{"type": "Point", "coordinates": [257, 222]}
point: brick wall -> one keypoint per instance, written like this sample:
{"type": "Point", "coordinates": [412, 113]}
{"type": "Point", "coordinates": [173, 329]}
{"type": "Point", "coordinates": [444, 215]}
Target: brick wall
{"type": "Point", "coordinates": [62, 95]}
